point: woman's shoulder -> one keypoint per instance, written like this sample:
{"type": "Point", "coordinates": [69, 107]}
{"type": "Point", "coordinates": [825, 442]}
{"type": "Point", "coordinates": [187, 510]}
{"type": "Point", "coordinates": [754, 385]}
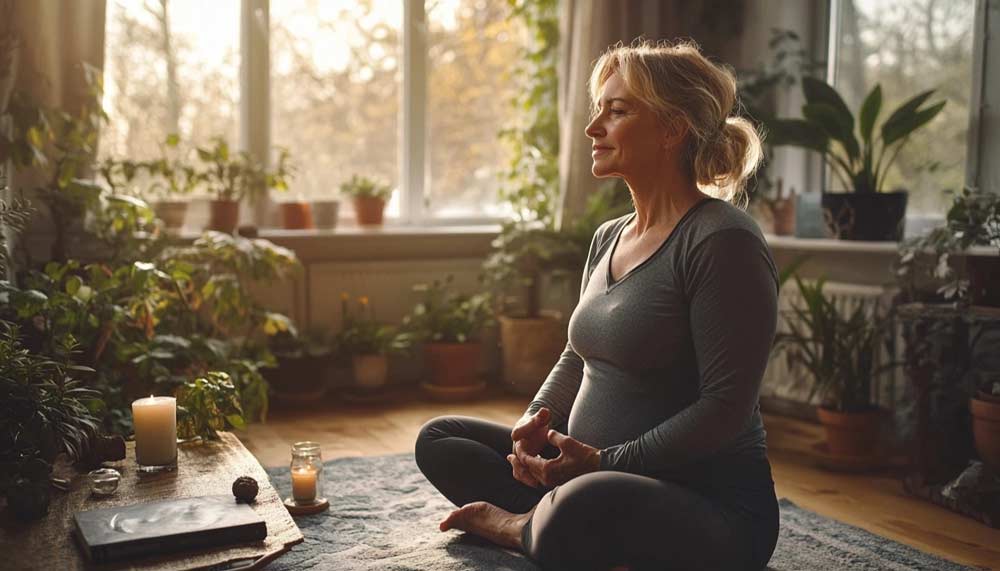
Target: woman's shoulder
{"type": "Point", "coordinates": [717, 216]}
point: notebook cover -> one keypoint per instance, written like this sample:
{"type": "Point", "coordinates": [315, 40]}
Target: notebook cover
{"type": "Point", "coordinates": [155, 528]}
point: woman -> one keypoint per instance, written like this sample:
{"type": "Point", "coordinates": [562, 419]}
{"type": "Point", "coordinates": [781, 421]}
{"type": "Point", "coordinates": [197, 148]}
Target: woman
{"type": "Point", "coordinates": [644, 448]}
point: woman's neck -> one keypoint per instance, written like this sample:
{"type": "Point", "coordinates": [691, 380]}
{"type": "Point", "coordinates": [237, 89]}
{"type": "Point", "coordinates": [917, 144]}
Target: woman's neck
{"type": "Point", "coordinates": [662, 198]}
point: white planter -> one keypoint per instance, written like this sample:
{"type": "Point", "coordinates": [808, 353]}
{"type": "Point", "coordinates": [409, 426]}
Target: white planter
{"type": "Point", "coordinates": [325, 214]}
{"type": "Point", "coordinates": [370, 371]}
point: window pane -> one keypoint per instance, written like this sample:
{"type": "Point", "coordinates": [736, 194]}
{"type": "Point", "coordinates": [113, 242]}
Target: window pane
{"type": "Point", "coordinates": [336, 76]}
{"type": "Point", "coordinates": [194, 41]}
{"type": "Point", "coordinates": [909, 46]}
{"type": "Point", "coordinates": [471, 50]}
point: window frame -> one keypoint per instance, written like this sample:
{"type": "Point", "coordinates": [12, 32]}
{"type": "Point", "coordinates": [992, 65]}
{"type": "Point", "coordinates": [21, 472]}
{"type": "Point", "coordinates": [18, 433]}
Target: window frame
{"type": "Point", "coordinates": [255, 119]}
{"type": "Point", "coordinates": [974, 137]}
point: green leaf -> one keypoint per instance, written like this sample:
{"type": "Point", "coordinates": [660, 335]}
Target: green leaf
{"type": "Point", "coordinates": [73, 285]}
{"type": "Point", "coordinates": [869, 113]}
{"type": "Point", "coordinates": [908, 108]}
{"type": "Point", "coordinates": [797, 133]}
{"type": "Point", "coordinates": [892, 132]}
{"type": "Point", "coordinates": [236, 421]}
{"type": "Point", "coordinates": [819, 91]}
{"type": "Point", "coordinates": [835, 124]}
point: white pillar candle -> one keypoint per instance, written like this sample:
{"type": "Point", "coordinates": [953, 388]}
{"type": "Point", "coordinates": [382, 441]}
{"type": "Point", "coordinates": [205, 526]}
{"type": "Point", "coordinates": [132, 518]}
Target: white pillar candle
{"type": "Point", "coordinates": [304, 484]}
{"type": "Point", "coordinates": [155, 420]}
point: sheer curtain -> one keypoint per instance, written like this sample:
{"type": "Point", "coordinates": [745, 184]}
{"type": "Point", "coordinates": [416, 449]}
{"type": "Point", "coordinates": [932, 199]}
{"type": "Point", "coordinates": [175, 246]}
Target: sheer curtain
{"type": "Point", "coordinates": [55, 39]}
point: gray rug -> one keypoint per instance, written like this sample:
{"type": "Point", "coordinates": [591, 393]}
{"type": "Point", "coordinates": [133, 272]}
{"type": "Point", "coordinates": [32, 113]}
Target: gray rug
{"type": "Point", "coordinates": [384, 514]}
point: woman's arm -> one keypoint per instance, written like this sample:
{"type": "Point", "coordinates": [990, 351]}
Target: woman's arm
{"type": "Point", "coordinates": [731, 283]}
{"type": "Point", "coordinates": [561, 386]}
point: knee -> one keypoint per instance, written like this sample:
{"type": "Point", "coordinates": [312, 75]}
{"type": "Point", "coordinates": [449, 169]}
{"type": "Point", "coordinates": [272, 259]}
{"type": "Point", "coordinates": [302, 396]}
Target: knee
{"type": "Point", "coordinates": [573, 512]}
{"type": "Point", "coordinates": [433, 429]}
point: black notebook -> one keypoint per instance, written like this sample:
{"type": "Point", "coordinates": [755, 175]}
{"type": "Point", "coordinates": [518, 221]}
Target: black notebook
{"type": "Point", "coordinates": [156, 528]}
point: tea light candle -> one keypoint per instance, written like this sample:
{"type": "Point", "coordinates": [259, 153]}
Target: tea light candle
{"type": "Point", "coordinates": [304, 484]}
{"type": "Point", "coordinates": [155, 420]}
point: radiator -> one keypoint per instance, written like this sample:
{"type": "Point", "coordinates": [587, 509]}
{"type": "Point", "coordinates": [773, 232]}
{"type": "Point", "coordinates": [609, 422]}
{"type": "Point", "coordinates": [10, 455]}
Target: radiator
{"type": "Point", "coordinates": [794, 383]}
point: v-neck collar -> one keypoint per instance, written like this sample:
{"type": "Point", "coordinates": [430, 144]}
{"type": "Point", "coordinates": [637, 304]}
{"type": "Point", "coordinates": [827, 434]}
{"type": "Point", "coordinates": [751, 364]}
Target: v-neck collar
{"type": "Point", "coordinates": [610, 282]}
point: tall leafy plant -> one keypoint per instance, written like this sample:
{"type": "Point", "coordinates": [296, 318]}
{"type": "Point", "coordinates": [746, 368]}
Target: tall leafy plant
{"type": "Point", "coordinates": [837, 347]}
{"type": "Point", "coordinates": [858, 153]}
{"type": "Point", "coordinates": [531, 181]}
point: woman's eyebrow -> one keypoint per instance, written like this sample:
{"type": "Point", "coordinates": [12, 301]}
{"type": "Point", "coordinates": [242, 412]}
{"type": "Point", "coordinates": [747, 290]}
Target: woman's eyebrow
{"type": "Point", "coordinates": [611, 100]}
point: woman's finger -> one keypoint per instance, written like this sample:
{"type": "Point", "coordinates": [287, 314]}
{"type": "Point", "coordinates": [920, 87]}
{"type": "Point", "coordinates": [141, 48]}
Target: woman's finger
{"type": "Point", "coordinates": [520, 473]}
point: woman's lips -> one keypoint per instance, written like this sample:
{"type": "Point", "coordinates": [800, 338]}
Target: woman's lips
{"type": "Point", "coordinates": [600, 150]}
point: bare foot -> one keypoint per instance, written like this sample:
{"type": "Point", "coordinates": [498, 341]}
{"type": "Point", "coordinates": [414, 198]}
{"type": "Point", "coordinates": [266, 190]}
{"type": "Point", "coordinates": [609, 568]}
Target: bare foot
{"type": "Point", "coordinates": [489, 522]}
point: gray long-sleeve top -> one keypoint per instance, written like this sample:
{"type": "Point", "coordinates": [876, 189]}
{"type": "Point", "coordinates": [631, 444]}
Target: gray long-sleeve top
{"type": "Point", "coordinates": [663, 367]}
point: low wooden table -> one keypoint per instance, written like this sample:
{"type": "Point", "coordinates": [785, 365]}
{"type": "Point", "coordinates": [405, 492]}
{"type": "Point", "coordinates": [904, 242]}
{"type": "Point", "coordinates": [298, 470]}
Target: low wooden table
{"type": "Point", "coordinates": [204, 468]}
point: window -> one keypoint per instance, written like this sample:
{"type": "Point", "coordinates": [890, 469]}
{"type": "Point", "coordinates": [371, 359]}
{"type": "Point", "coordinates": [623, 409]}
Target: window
{"type": "Point", "coordinates": [337, 82]}
{"type": "Point", "coordinates": [146, 44]}
{"type": "Point", "coordinates": [909, 46]}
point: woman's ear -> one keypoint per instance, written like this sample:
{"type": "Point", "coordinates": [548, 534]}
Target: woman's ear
{"type": "Point", "coordinates": [674, 133]}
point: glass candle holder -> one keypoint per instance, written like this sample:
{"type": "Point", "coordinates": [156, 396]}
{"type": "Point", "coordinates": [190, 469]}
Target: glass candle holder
{"type": "Point", "coordinates": [104, 481]}
{"type": "Point", "coordinates": [307, 472]}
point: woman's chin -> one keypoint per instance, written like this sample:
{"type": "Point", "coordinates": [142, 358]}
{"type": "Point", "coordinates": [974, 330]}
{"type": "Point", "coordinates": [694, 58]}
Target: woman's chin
{"type": "Point", "coordinates": [601, 172]}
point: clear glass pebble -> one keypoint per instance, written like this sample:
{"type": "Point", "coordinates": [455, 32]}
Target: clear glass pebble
{"type": "Point", "coordinates": [104, 481]}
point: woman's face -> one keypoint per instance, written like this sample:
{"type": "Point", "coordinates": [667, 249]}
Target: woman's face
{"type": "Point", "coordinates": [628, 139]}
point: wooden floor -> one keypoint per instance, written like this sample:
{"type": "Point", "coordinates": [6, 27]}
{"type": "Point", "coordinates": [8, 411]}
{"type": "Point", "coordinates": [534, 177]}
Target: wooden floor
{"type": "Point", "coordinates": [875, 503]}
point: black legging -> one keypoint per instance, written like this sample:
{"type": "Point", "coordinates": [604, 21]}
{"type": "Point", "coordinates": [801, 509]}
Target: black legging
{"type": "Point", "coordinates": [605, 519]}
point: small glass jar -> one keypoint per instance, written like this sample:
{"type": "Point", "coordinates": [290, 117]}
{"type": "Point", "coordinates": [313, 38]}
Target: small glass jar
{"type": "Point", "coordinates": [307, 472]}
{"type": "Point", "coordinates": [104, 481]}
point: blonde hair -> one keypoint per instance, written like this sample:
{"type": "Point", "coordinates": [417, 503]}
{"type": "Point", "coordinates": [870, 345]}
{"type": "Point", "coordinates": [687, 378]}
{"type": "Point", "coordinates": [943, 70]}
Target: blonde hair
{"type": "Point", "coordinates": [677, 82]}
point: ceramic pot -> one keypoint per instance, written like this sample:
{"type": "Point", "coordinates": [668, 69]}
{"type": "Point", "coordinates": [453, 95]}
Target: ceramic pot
{"type": "Point", "coordinates": [370, 371]}
{"type": "Point", "coordinates": [984, 280]}
{"type": "Point", "coordinates": [783, 214]}
{"type": "Point", "coordinates": [296, 215]}
{"type": "Point", "coordinates": [368, 210]}
{"type": "Point", "coordinates": [224, 215]}
{"type": "Point", "coordinates": [871, 216]}
{"type": "Point", "coordinates": [172, 212]}
{"type": "Point", "coordinates": [851, 433]}
{"type": "Point", "coordinates": [453, 364]}
{"type": "Point", "coordinates": [986, 430]}
{"type": "Point", "coordinates": [325, 213]}
{"type": "Point", "coordinates": [531, 346]}
{"type": "Point", "coordinates": [300, 378]}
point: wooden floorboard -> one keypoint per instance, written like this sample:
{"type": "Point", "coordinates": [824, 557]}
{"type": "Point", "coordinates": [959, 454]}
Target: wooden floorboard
{"type": "Point", "coordinates": [876, 503]}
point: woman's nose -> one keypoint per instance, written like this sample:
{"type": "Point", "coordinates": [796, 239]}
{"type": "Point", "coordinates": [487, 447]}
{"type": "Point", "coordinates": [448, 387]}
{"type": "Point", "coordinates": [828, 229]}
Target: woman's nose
{"type": "Point", "coordinates": [594, 129]}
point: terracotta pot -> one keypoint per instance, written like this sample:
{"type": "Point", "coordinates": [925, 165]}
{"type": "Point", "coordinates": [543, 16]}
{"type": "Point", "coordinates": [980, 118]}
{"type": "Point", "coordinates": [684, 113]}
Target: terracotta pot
{"type": "Point", "coordinates": [370, 371]}
{"type": "Point", "coordinates": [225, 214]}
{"type": "Point", "coordinates": [297, 215]}
{"type": "Point", "coordinates": [531, 346]}
{"type": "Point", "coordinates": [368, 210]}
{"type": "Point", "coordinates": [453, 364]}
{"type": "Point", "coordinates": [986, 431]}
{"type": "Point", "coordinates": [851, 433]}
{"type": "Point", "coordinates": [171, 212]}
{"type": "Point", "coordinates": [783, 212]}
{"type": "Point", "coordinates": [325, 213]}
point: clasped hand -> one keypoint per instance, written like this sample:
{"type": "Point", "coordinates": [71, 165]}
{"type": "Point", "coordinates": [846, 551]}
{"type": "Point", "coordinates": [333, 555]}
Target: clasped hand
{"type": "Point", "coordinates": [530, 435]}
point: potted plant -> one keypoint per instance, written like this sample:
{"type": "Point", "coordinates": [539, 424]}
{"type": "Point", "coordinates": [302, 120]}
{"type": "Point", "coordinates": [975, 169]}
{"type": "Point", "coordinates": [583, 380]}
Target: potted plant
{"type": "Point", "coordinates": [230, 177]}
{"type": "Point", "coordinates": [926, 266]}
{"type": "Point", "coordinates": [860, 166]}
{"type": "Point", "coordinates": [839, 349]}
{"type": "Point", "coordinates": [531, 338]}
{"type": "Point", "coordinates": [172, 179]}
{"type": "Point", "coordinates": [303, 363]}
{"type": "Point", "coordinates": [756, 88]}
{"type": "Point", "coordinates": [369, 343]}
{"type": "Point", "coordinates": [450, 324]}
{"type": "Point", "coordinates": [369, 197]}
{"type": "Point", "coordinates": [985, 408]}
